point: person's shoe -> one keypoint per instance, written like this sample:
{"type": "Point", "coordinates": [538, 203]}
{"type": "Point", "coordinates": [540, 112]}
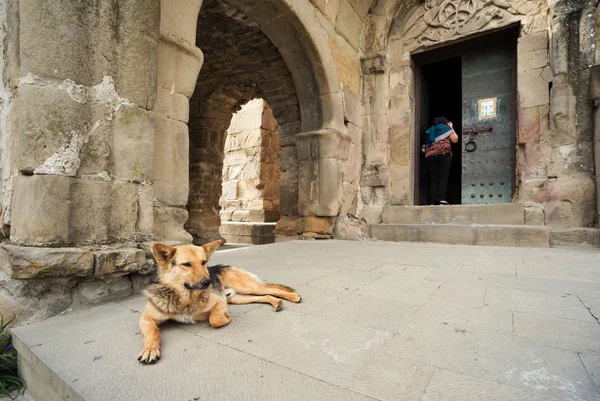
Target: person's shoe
{"type": "Point", "coordinates": [444, 203]}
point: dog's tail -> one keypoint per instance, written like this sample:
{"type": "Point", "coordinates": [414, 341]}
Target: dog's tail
{"type": "Point", "coordinates": [280, 287]}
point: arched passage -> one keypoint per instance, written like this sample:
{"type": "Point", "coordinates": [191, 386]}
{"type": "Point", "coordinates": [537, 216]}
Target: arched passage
{"type": "Point", "coordinates": [295, 74]}
{"type": "Point", "coordinates": [241, 64]}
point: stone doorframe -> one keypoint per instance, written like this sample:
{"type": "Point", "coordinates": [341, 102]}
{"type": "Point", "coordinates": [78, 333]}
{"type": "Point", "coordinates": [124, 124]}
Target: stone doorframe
{"type": "Point", "coordinates": [396, 29]}
{"type": "Point", "coordinates": [322, 143]}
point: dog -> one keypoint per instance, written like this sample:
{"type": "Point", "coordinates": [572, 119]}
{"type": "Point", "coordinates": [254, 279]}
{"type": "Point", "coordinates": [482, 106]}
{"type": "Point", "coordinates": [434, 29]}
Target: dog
{"type": "Point", "coordinates": [189, 291]}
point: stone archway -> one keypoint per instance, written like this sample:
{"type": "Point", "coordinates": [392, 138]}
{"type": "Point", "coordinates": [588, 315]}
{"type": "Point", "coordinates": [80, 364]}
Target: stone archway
{"type": "Point", "coordinates": [320, 139]}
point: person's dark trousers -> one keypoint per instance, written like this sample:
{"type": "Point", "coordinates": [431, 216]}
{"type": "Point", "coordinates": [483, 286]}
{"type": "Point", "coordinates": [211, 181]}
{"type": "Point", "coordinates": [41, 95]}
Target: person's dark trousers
{"type": "Point", "coordinates": [438, 168]}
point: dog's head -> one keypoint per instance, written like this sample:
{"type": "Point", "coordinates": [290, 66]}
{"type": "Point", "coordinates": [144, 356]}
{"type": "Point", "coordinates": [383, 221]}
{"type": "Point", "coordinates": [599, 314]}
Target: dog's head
{"type": "Point", "coordinates": [185, 265]}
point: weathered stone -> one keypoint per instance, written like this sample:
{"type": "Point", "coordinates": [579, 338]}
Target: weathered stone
{"type": "Point", "coordinates": [28, 262]}
{"type": "Point", "coordinates": [532, 89]}
{"type": "Point", "coordinates": [575, 237]}
{"type": "Point", "coordinates": [171, 162]}
{"type": "Point", "coordinates": [168, 224]}
{"type": "Point", "coordinates": [289, 225]}
{"type": "Point", "coordinates": [594, 89]}
{"type": "Point", "coordinates": [145, 221]}
{"type": "Point", "coordinates": [103, 211]}
{"type": "Point", "coordinates": [51, 121]}
{"type": "Point", "coordinates": [534, 214]}
{"type": "Point", "coordinates": [373, 65]}
{"type": "Point", "coordinates": [41, 211]}
{"type": "Point", "coordinates": [371, 214]}
{"type": "Point", "coordinates": [347, 22]}
{"type": "Point", "coordinates": [319, 225]}
{"type": "Point", "coordinates": [95, 292]}
{"type": "Point", "coordinates": [118, 261]}
{"type": "Point", "coordinates": [529, 125]}
{"type": "Point", "coordinates": [350, 228]}
{"type": "Point", "coordinates": [520, 236]}
{"type": "Point", "coordinates": [374, 175]}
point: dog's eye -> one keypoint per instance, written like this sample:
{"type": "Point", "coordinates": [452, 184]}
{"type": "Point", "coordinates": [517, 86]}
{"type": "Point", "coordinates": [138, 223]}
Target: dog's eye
{"type": "Point", "coordinates": [186, 264]}
{"type": "Point", "coordinates": [204, 262]}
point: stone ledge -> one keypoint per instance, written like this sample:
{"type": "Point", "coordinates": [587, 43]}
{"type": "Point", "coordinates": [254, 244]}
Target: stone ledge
{"type": "Point", "coordinates": [21, 262]}
{"type": "Point", "coordinates": [579, 237]}
{"type": "Point", "coordinates": [490, 235]}
{"type": "Point", "coordinates": [31, 262]}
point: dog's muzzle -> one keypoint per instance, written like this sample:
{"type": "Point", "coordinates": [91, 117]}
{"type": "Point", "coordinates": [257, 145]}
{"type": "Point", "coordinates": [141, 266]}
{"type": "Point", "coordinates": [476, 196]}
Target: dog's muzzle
{"type": "Point", "coordinates": [202, 285]}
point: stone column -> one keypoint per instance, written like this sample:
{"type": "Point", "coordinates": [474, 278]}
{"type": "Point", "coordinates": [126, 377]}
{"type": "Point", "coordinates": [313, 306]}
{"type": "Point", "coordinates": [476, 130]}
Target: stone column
{"type": "Point", "coordinates": [78, 151]}
{"type": "Point", "coordinates": [179, 63]}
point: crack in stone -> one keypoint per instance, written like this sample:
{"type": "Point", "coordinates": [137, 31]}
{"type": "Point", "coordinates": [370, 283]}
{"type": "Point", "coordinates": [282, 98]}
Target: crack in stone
{"type": "Point", "coordinates": [589, 310]}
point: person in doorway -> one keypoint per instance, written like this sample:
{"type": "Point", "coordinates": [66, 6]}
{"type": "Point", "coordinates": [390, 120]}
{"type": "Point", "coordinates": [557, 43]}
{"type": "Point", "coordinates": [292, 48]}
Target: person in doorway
{"type": "Point", "coordinates": [438, 155]}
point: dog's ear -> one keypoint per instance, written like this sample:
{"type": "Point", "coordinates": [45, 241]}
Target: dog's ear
{"type": "Point", "coordinates": [211, 247]}
{"type": "Point", "coordinates": [163, 253]}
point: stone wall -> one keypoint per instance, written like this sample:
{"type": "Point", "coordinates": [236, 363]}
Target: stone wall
{"type": "Point", "coordinates": [555, 162]}
{"type": "Point", "coordinates": [251, 166]}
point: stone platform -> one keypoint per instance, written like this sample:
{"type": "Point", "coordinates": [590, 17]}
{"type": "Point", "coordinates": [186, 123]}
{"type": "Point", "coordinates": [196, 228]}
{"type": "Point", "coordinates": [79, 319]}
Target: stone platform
{"type": "Point", "coordinates": [378, 321]}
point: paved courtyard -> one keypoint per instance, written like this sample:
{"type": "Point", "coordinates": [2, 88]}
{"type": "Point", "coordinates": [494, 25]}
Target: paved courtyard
{"type": "Point", "coordinates": [378, 321]}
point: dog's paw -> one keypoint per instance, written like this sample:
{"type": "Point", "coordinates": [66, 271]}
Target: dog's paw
{"type": "Point", "coordinates": [278, 306]}
{"type": "Point", "coordinates": [296, 298]}
{"type": "Point", "coordinates": [149, 356]}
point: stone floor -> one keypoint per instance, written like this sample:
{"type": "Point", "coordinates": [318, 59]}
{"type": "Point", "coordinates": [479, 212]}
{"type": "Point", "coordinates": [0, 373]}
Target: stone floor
{"type": "Point", "coordinates": [378, 321]}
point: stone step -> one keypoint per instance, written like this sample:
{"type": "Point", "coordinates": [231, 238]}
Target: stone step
{"type": "Point", "coordinates": [500, 214]}
{"type": "Point", "coordinates": [492, 235]}
{"type": "Point", "coordinates": [247, 232]}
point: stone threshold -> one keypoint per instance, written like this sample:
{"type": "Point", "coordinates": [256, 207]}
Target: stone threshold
{"type": "Point", "coordinates": [489, 235]}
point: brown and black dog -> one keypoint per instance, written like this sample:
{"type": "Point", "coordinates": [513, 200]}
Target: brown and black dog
{"type": "Point", "coordinates": [189, 290]}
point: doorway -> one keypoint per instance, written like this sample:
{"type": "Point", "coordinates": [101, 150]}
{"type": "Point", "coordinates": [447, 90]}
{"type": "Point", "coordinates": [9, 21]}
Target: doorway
{"type": "Point", "coordinates": [473, 85]}
{"type": "Point", "coordinates": [441, 95]}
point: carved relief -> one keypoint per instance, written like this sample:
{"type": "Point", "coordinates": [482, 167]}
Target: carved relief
{"type": "Point", "coordinates": [441, 20]}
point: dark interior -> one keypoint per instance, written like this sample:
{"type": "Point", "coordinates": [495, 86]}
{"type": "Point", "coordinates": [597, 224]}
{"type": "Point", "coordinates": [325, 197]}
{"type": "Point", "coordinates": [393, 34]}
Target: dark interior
{"type": "Point", "coordinates": [440, 95]}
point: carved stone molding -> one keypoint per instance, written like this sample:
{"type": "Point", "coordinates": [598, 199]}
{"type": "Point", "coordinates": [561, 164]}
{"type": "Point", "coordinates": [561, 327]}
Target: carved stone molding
{"type": "Point", "coordinates": [442, 20]}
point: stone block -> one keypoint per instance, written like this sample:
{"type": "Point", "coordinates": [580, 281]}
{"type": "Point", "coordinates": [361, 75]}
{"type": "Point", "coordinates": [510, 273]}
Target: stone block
{"type": "Point", "coordinates": [575, 237]}
{"type": "Point", "coordinates": [145, 222]}
{"type": "Point", "coordinates": [534, 214]}
{"type": "Point", "coordinates": [132, 147]}
{"type": "Point", "coordinates": [21, 262]}
{"type": "Point", "coordinates": [350, 228]}
{"type": "Point", "coordinates": [118, 261]}
{"type": "Point", "coordinates": [518, 236]}
{"type": "Point", "coordinates": [503, 214]}
{"type": "Point", "coordinates": [532, 89]}
{"type": "Point", "coordinates": [529, 125]}
{"type": "Point", "coordinates": [168, 224]}
{"type": "Point", "coordinates": [532, 43]}
{"type": "Point", "coordinates": [322, 144]}
{"type": "Point", "coordinates": [372, 65]}
{"type": "Point", "coordinates": [371, 214]}
{"type": "Point", "coordinates": [348, 23]}
{"type": "Point", "coordinates": [594, 88]}
{"type": "Point", "coordinates": [325, 198]}
{"type": "Point", "coordinates": [346, 63]}
{"type": "Point", "coordinates": [319, 225]}
{"type": "Point", "coordinates": [352, 109]}
{"type": "Point", "coordinates": [374, 175]}
{"type": "Point", "coordinates": [289, 225]}
{"type": "Point", "coordinates": [50, 120]}
{"type": "Point", "coordinates": [95, 292]}
{"type": "Point", "coordinates": [527, 61]}
{"type": "Point", "coordinates": [178, 66]}
{"type": "Point", "coordinates": [171, 162]}
{"type": "Point", "coordinates": [178, 19]}
{"type": "Point", "coordinates": [66, 53]}
{"type": "Point", "coordinates": [103, 211]}
{"type": "Point", "coordinates": [41, 210]}
{"type": "Point", "coordinates": [437, 233]}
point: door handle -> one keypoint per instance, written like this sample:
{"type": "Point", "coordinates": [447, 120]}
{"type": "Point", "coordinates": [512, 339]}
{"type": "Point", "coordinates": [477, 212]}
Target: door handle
{"type": "Point", "coordinates": [471, 146]}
